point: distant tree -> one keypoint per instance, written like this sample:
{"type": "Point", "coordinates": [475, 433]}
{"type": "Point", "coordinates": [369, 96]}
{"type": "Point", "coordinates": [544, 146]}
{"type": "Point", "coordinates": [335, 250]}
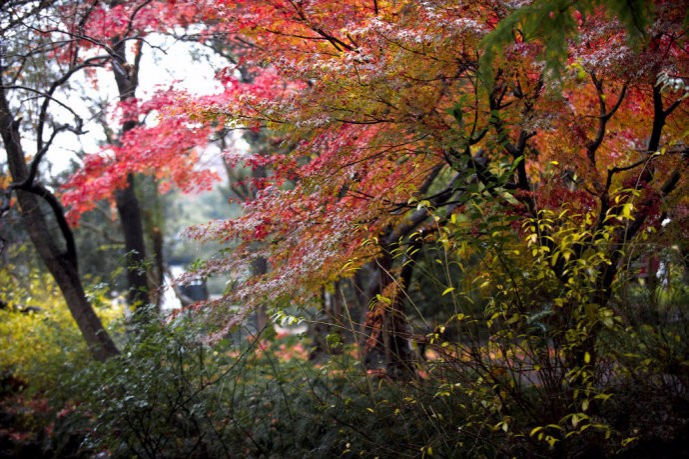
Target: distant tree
{"type": "Point", "coordinates": [51, 50]}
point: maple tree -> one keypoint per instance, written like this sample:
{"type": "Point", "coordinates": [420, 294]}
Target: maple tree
{"type": "Point", "coordinates": [112, 26]}
{"type": "Point", "coordinates": [387, 121]}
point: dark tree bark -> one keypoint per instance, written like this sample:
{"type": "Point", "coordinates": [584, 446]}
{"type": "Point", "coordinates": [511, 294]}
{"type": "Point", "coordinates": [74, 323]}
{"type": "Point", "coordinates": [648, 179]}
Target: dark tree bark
{"type": "Point", "coordinates": [329, 322]}
{"type": "Point", "coordinates": [126, 77]}
{"type": "Point", "coordinates": [135, 247]}
{"type": "Point", "coordinates": [160, 267]}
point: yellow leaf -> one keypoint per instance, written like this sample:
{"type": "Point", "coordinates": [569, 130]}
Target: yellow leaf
{"type": "Point", "coordinates": [627, 211]}
{"type": "Point", "coordinates": [575, 420]}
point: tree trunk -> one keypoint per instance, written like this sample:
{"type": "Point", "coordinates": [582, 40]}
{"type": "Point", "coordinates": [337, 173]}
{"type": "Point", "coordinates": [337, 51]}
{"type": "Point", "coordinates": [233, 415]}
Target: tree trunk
{"type": "Point", "coordinates": [132, 228]}
{"type": "Point", "coordinates": [386, 326]}
{"type": "Point", "coordinates": [327, 329]}
{"type": "Point", "coordinates": [126, 77]}
{"type": "Point", "coordinates": [62, 263]}
{"type": "Point", "coordinates": [160, 268]}
{"type": "Point", "coordinates": [259, 267]}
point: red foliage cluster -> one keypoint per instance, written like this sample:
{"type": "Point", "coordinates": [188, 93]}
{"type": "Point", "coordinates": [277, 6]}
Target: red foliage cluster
{"type": "Point", "coordinates": [168, 149]}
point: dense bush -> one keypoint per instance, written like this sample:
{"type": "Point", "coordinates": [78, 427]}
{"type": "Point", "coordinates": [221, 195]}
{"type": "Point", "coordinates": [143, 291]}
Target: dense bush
{"type": "Point", "coordinates": [532, 368]}
{"type": "Point", "coordinates": [173, 395]}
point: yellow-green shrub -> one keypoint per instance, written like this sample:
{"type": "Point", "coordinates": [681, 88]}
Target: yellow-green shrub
{"type": "Point", "coordinates": [37, 345]}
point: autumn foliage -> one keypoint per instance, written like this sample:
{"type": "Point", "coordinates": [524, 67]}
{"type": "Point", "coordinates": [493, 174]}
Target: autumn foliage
{"type": "Point", "coordinates": [167, 150]}
{"type": "Point", "coordinates": [484, 199]}
{"type": "Point", "coordinates": [380, 106]}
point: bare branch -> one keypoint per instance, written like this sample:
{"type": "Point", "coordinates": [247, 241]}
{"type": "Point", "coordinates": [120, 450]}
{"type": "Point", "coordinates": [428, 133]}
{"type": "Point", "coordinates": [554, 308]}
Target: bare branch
{"type": "Point", "coordinates": [603, 118]}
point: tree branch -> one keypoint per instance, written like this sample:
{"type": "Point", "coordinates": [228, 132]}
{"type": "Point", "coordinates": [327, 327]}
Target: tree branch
{"type": "Point", "coordinates": [605, 115]}
{"type": "Point", "coordinates": [336, 42]}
